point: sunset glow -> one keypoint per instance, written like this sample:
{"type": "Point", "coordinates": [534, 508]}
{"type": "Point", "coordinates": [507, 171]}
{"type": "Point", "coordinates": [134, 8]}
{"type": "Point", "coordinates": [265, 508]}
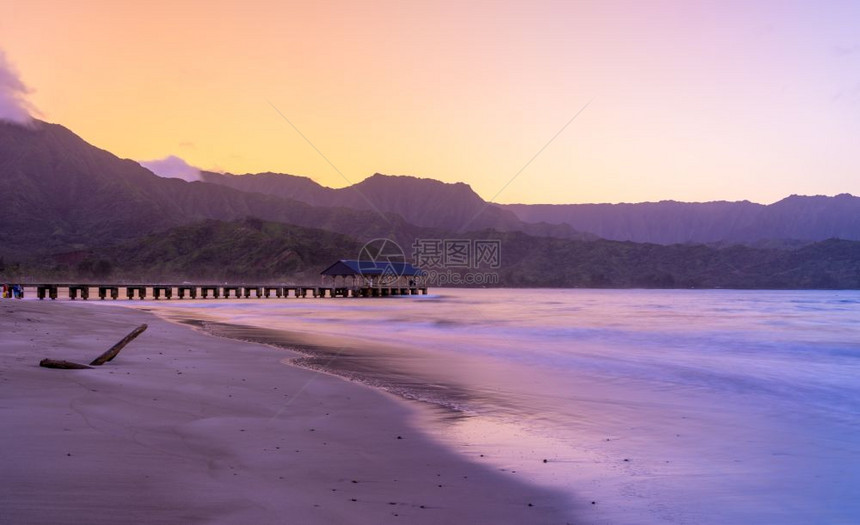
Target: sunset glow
{"type": "Point", "coordinates": [690, 101]}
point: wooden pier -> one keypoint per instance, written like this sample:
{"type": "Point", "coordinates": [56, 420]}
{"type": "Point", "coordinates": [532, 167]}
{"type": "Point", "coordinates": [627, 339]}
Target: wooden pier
{"type": "Point", "coordinates": [181, 291]}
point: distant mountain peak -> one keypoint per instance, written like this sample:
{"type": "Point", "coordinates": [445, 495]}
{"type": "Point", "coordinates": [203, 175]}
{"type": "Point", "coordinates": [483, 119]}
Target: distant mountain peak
{"type": "Point", "coordinates": [794, 218]}
{"type": "Point", "coordinates": [63, 194]}
{"type": "Point", "coordinates": [412, 179]}
{"type": "Point", "coordinates": [172, 167]}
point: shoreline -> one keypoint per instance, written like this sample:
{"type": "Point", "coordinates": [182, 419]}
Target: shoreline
{"type": "Point", "coordinates": [189, 427]}
{"type": "Point", "coordinates": [344, 358]}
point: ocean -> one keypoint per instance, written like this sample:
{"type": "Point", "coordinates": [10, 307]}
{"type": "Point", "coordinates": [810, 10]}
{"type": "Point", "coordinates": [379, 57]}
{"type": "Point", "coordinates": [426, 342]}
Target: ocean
{"type": "Point", "coordinates": [663, 407]}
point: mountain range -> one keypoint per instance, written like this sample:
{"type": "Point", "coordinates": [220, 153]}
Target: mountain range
{"type": "Point", "coordinates": [456, 207]}
{"type": "Point", "coordinates": [796, 218]}
{"type": "Point", "coordinates": [424, 202]}
{"type": "Point", "coordinates": [64, 194]}
{"type": "Point", "coordinates": [69, 206]}
{"type": "Point", "coordinates": [61, 193]}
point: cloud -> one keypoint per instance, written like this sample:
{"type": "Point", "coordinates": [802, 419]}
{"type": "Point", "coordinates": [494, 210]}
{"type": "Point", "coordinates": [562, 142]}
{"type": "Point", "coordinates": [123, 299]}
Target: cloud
{"type": "Point", "coordinates": [13, 103]}
{"type": "Point", "coordinates": [172, 167]}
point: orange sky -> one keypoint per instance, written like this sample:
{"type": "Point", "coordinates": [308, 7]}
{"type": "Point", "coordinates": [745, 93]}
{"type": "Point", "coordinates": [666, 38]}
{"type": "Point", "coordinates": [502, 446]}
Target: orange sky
{"type": "Point", "coordinates": [689, 100]}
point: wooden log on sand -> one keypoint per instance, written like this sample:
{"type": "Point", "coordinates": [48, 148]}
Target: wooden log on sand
{"type": "Point", "coordinates": [100, 360]}
{"type": "Point", "coordinates": [114, 350]}
{"type": "Point", "coordinates": [67, 365]}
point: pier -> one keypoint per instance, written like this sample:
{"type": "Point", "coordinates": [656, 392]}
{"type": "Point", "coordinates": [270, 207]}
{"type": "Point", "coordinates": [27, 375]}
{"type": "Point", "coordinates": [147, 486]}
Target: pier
{"type": "Point", "coordinates": [205, 291]}
{"type": "Point", "coordinates": [344, 278]}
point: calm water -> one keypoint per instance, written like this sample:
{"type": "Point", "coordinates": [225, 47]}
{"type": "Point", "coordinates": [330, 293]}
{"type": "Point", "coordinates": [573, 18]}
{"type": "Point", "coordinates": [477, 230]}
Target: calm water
{"type": "Point", "coordinates": [699, 407]}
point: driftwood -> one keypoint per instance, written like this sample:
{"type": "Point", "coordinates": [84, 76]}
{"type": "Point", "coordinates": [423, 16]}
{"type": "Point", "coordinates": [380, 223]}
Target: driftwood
{"type": "Point", "coordinates": [68, 365]}
{"type": "Point", "coordinates": [100, 360]}
{"type": "Point", "coordinates": [114, 350]}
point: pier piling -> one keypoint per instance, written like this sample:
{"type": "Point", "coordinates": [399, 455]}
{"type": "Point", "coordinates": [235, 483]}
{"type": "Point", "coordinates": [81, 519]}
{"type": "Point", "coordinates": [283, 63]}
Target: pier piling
{"type": "Point", "coordinates": [191, 290]}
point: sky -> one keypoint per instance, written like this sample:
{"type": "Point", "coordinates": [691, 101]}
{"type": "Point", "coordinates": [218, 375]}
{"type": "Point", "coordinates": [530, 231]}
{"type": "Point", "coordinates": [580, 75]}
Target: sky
{"type": "Point", "coordinates": [526, 101]}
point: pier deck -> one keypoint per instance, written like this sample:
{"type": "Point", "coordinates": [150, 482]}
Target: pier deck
{"type": "Point", "coordinates": [179, 292]}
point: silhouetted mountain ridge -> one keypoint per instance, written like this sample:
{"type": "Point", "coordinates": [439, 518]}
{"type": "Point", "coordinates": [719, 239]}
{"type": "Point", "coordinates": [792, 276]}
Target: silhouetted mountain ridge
{"type": "Point", "coordinates": [429, 203]}
{"type": "Point", "coordinates": [456, 207]}
{"type": "Point", "coordinates": [61, 193]}
{"type": "Point", "coordinates": [800, 218]}
{"type": "Point", "coordinates": [424, 202]}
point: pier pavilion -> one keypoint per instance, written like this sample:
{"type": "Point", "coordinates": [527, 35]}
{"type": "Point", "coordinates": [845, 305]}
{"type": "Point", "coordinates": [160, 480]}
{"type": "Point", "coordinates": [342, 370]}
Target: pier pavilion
{"type": "Point", "coordinates": [374, 278]}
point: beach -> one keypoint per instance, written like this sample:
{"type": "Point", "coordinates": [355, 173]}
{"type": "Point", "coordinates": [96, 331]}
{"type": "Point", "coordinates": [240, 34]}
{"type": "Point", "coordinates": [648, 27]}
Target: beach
{"type": "Point", "coordinates": [184, 427]}
{"type": "Point", "coordinates": [663, 407]}
{"type": "Point", "coordinates": [610, 407]}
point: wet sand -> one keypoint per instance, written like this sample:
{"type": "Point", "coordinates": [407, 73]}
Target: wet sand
{"type": "Point", "coordinates": [183, 427]}
{"type": "Point", "coordinates": [405, 372]}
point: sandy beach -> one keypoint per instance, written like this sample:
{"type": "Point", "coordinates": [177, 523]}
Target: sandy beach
{"type": "Point", "coordinates": [183, 427]}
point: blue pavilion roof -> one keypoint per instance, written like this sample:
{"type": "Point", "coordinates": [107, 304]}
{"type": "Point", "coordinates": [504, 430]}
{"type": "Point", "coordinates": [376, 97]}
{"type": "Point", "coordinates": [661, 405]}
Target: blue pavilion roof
{"type": "Point", "coordinates": [368, 268]}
